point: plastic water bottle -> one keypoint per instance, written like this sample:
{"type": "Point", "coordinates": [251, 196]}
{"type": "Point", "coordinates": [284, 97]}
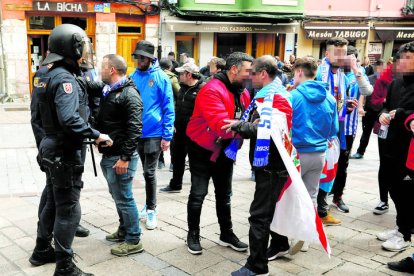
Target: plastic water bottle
{"type": "Point", "coordinates": [383, 131]}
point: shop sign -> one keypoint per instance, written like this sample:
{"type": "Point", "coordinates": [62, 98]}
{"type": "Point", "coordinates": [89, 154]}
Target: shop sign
{"type": "Point", "coordinates": [324, 34]}
{"type": "Point", "coordinates": [374, 52]}
{"type": "Point", "coordinates": [395, 32]}
{"type": "Point", "coordinates": [60, 6]}
{"type": "Point", "coordinates": [229, 28]}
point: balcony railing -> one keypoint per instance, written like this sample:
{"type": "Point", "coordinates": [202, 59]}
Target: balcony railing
{"type": "Point", "coordinates": [409, 8]}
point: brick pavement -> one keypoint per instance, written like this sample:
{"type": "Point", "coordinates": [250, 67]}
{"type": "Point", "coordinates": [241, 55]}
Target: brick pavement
{"type": "Point", "coordinates": [355, 251]}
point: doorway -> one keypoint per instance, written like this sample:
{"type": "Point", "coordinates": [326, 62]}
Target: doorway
{"type": "Point", "coordinates": [187, 43]}
{"type": "Point", "coordinates": [37, 53]}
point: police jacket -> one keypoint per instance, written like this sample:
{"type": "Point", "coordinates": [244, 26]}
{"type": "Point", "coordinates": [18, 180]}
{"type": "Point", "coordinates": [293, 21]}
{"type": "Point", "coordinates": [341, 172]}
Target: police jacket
{"type": "Point", "coordinates": [36, 120]}
{"type": "Point", "coordinates": [120, 115]}
{"type": "Point", "coordinates": [57, 93]}
{"type": "Point", "coordinates": [184, 105]}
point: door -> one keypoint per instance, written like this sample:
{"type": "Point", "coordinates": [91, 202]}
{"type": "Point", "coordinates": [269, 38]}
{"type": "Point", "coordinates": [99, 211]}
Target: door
{"type": "Point", "coordinates": [37, 48]}
{"type": "Point", "coordinates": [263, 44]}
{"type": "Point", "coordinates": [129, 32]}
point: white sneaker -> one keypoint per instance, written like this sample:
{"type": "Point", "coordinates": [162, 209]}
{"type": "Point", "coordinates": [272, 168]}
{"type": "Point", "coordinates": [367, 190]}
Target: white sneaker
{"type": "Point", "coordinates": [396, 243]}
{"type": "Point", "coordinates": [151, 222]}
{"type": "Point", "coordinates": [305, 247]}
{"type": "Point", "coordinates": [143, 213]}
{"type": "Point", "coordinates": [385, 236]}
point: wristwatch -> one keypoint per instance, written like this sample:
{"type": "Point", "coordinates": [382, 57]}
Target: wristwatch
{"type": "Point", "coordinates": [125, 158]}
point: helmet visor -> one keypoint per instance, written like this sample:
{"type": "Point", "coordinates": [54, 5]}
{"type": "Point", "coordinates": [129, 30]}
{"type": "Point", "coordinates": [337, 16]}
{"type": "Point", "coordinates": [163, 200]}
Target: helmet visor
{"type": "Point", "coordinates": [88, 54]}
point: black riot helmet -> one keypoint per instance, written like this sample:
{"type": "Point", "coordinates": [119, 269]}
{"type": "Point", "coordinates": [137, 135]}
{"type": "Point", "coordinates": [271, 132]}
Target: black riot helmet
{"type": "Point", "coordinates": [67, 41]}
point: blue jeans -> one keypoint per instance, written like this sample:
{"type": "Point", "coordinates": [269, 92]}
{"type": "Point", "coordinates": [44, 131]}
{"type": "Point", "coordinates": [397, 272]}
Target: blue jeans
{"type": "Point", "coordinates": [120, 187]}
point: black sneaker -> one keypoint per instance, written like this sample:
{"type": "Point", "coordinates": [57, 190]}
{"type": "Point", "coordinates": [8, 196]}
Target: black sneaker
{"type": "Point", "coordinates": [41, 257]}
{"type": "Point", "coordinates": [340, 205]}
{"type": "Point", "coordinates": [193, 242]}
{"type": "Point", "coordinates": [405, 265]}
{"type": "Point", "coordinates": [169, 189]}
{"type": "Point", "coordinates": [231, 240]}
{"type": "Point", "coordinates": [276, 252]}
{"type": "Point", "coordinates": [382, 208]}
{"type": "Point", "coordinates": [81, 232]}
{"type": "Point", "coordinates": [68, 268]}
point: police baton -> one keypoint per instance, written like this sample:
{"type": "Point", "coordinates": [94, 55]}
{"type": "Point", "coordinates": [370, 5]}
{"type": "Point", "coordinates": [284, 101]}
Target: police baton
{"type": "Point", "coordinates": [90, 143]}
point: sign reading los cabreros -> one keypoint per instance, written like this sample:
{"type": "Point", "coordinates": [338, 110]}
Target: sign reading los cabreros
{"type": "Point", "coordinates": [323, 32]}
{"type": "Point", "coordinates": [60, 6]}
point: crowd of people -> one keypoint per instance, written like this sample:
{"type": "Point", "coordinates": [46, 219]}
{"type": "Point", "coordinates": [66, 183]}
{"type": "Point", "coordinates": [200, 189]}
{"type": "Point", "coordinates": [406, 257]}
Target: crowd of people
{"type": "Point", "coordinates": [204, 114]}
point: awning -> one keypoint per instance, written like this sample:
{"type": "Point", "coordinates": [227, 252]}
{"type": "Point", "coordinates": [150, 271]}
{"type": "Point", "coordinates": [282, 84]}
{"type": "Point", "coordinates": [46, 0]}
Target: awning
{"type": "Point", "coordinates": [394, 32]}
{"type": "Point", "coordinates": [177, 25]}
{"type": "Point", "coordinates": [324, 31]}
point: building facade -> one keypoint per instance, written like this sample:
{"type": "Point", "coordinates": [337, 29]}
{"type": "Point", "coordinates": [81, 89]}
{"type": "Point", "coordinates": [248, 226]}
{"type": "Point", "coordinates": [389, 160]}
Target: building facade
{"type": "Point", "coordinates": [206, 28]}
{"type": "Point", "coordinates": [376, 27]}
{"type": "Point", "coordinates": [26, 26]}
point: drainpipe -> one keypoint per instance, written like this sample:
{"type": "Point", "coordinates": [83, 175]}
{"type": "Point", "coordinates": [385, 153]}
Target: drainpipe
{"type": "Point", "coordinates": [3, 65]}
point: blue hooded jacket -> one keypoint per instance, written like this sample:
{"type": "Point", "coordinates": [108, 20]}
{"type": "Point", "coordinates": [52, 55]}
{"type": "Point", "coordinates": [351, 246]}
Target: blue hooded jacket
{"type": "Point", "coordinates": [157, 96]}
{"type": "Point", "coordinates": [315, 118]}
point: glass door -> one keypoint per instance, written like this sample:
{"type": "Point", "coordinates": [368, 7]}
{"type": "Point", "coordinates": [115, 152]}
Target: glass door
{"type": "Point", "coordinates": [187, 44]}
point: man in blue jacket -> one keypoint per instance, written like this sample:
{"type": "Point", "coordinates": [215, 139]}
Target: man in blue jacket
{"type": "Point", "coordinates": [157, 119]}
{"type": "Point", "coordinates": [314, 122]}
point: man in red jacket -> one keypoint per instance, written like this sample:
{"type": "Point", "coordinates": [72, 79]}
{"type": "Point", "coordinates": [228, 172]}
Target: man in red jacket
{"type": "Point", "coordinates": [222, 98]}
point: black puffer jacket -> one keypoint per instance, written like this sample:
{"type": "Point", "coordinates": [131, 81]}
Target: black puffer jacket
{"type": "Point", "coordinates": [120, 116]}
{"type": "Point", "coordinates": [184, 105]}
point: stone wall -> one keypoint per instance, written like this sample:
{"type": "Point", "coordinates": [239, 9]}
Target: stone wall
{"type": "Point", "coordinates": [105, 40]}
{"type": "Point", "coordinates": [16, 57]}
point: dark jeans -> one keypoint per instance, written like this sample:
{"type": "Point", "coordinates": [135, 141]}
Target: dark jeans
{"type": "Point", "coordinates": [262, 209]}
{"type": "Point", "coordinates": [384, 178]}
{"type": "Point", "coordinates": [149, 150]}
{"type": "Point", "coordinates": [178, 153]}
{"type": "Point", "coordinates": [202, 169]}
{"type": "Point", "coordinates": [341, 174]}
{"type": "Point", "coordinates": [401, 192]}
{"type": "Point", "coordinates": [368, 122]}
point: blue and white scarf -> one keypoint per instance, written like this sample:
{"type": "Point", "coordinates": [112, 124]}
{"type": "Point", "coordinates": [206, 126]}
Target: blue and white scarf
{"type": "Point", "coordinates": [261, 152]}
{"type": "Point", "coordinates": [108, 88]}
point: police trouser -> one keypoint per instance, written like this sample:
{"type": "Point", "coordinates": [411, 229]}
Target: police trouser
{"type": "Point", "coordinates": [62, 196]}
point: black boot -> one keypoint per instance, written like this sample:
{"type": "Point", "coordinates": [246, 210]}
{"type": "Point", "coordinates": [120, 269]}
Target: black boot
{"type": "Point", "coordinates": [81, 231]}
{"type": "Point", "coordinates": [66, 267]}
{"type": "Point", "coordinates": [43, 253]}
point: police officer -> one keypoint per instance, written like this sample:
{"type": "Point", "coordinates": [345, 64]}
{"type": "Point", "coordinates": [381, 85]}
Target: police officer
{"type": "Point", "coordinates": [60, 149]}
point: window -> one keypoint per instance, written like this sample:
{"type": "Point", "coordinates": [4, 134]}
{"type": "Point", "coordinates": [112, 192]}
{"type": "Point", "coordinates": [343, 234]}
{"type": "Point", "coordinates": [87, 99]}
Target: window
{"type": "Point", "coordinates": [41, 22]}
{"type": "Point", "coordinates": [229, 43]}
{"type": "Point", "coordinates": [129, 29]}
{"type": "Point", "coordinates": [78, 21]}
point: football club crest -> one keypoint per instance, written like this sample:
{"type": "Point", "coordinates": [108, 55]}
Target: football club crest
{"type": "Point", "coordinates": [151, 83]}
{"type": "Point", "coordinates": [67, 87]}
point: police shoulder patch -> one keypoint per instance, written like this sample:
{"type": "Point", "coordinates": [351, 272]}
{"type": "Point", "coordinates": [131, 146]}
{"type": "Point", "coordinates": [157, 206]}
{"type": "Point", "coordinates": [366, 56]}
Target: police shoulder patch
{"type": "Point", "coordinates": [67, 87]}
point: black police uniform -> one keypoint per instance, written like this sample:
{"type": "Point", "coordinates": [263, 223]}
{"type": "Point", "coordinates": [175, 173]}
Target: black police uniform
{"type": "Point", "coordinates": [60, 153]}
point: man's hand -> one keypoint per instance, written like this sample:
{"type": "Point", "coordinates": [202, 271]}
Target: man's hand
{"type": "Point", "coordinates": [165, 145]}
{"type": "Point", "coordinates": [385, 119]}
{"type": "Point", "coordinates": [351, 104]}
{"type": "Point", "coordinates": [229, 124]}
{"type": "Point", "coordinates": [392, 113]}
{"type": "Point", "coordinates": [121, 167]}
{"type": "Point", "coordinates": [104, 138]}
{"type": "Point", "coordinates": [412, 126]}
{"type": "Point", "coordinates": [353, 63]}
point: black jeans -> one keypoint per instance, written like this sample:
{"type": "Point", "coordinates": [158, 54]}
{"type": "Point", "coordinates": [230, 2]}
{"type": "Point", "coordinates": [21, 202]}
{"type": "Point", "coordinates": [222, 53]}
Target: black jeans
{"type": "Point", "coordinates": [401, 192]}
{"type": "Point", "coordinates": [178, 153]}
{"type": "Point", "coordinates": [202, 169]}
{"type": "Point", "coordinates": [323, 206]}
{"type": "Point", "coordinates": [268, 188]}
{"type": "Point", "coordinates": [149, 150]}
{"type": "Point", "coordinates": [384, 178]}
{"type": "Point", "coordinates": [341, 174]}
{"type": "Point", "coordinates": [368, 122]}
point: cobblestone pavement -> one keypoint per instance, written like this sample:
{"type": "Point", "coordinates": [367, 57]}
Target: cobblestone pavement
{"type": "Point", "coordinates": [355, 251]}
